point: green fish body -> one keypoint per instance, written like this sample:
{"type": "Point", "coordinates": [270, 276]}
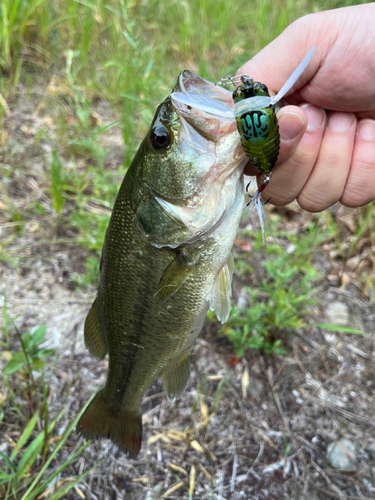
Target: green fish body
{"type": "Point", "coordinates": [166, 260]}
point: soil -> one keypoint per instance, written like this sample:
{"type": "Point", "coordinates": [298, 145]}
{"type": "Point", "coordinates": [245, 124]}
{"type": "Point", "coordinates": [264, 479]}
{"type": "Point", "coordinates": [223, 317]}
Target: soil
{"type": "Point", "coordinates": [256, 430]}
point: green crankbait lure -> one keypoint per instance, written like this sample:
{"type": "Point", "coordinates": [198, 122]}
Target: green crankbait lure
{"type": "Point", "coordinates": [255, 113]}
{"type": "Point", "coordinates": [258, 128]}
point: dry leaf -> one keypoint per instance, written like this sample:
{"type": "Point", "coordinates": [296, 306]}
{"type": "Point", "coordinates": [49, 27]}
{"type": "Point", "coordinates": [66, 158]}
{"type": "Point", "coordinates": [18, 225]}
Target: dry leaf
{"type": "Point", "coordinates": [243, 244]}
{"type": "Point", "coordinates": [245, 382]}
{"type": "Point", "coordinates": [194, 444]}
{"type": "Point", "coordinates": [192, 480]}
{"type": "Point", "coordinates": [172, 490]}
{"type": "Point", "coordinates": [205, 471]}
{"type": "Point", "coordinates": [177, 468]}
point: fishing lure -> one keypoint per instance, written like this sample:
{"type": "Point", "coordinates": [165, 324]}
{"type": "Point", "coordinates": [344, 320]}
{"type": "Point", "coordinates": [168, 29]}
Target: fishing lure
{"type": "Point", "coordinates": [255, 113]}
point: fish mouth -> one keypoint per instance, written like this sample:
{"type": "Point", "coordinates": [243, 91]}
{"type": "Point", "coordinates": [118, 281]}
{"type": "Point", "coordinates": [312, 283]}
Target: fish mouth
{"type": "Point", "coordinates": [189, 82]}
{"type": "Point", "coordinates": [204, 105]}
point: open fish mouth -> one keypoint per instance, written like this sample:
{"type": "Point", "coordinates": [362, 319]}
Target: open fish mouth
{"type": "Point", "coordinates": [204, 105]}
{"type": "Point", "coordinates": [190, 83]}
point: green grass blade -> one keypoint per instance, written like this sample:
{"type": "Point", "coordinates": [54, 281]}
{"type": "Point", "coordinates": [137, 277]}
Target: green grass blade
{"type": "Point", "coordinates": [8, 461]}
{"type": "Point", "coordinates": [340, 329]}
{"type": "Point", "coordinates": [62, 441]}
{"type": "Point", "coordinates": [33, 450]}
{"type": "Point", "coordinates": [56, 184]}
{"type": "Point", "coordinates": [26, 434]}
{"type": "Point", "coordinates": [13, 13]}
{"type": "Point", "coordinates": [31, 454]}
{"type": "Point", "coordinates": [48, 480]}
{"type": "Point", "coordinates": [61, 492]}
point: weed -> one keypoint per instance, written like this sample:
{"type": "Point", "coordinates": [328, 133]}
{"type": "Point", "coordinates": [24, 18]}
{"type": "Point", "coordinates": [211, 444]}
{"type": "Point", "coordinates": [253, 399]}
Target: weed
{"type": "Point", "coordinates": [92, 273]}
{"type": "Point", "coordinates": [280, 302]}
{"type": "Point", "coordinates": [56, 184]}
{"type": "Point", "coordinates": [24, 476]}
{"type": "Point", "coordinates": [365, 227]}
{"type": "Point", "coordinates": [32, 356]}
{"type": "Point", "coordinates": [25, 463]}
{"type": "Point", "coordinates": [6, 327]}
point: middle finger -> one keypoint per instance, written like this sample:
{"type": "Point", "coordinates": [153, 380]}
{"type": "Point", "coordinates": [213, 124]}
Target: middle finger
{"type": "Point", "coordinates": [327, 181]}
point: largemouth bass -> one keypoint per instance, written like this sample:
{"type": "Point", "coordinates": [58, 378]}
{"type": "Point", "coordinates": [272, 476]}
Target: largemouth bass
{"type": "Point", "coordinates": [166, 258]}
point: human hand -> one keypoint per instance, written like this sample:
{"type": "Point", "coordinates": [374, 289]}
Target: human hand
{"type": "Point", "coordinates": [327, 130]}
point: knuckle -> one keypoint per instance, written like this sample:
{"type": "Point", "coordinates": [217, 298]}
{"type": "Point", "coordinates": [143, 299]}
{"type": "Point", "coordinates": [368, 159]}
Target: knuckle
{"type": "Point", "coordinates": [300, 157]}
{"type": "Point", "coordinates": [360, 187]}
{"type": "Point", "coordinates": [335, 157]}
{"type": "Point", "coordinates": [314, 202]}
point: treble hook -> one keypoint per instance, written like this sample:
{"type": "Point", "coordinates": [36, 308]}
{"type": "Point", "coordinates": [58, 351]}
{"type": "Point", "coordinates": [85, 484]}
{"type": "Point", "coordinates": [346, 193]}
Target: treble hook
{"type": "Point", "coordinates": [256, 195]}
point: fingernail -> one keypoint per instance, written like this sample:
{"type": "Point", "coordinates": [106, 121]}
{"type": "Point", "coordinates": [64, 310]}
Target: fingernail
{"type": "Point", "coordinates": [366, 130]}
{"type": "Point", "coordinates": [340, 122]}
{"type": "Point", "coordinates": [292, 127]}
{"type": "Point", "coordinates": [315, 117]}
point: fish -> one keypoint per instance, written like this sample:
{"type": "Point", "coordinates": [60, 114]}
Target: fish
{"type": "Point", "coordinates": [255, 113]}
{"type": "Point", "coordinates": [167, 256]}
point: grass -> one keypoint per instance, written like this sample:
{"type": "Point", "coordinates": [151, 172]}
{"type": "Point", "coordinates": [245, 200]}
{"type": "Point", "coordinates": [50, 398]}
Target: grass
{"type": "Point", "coordinates": [282, 295]}
{"type": "Point", "coordinates": [116, 51]}
{"type": "Point", "coordinates": [31, 461]}
{"type": "Point", "coordinates": [64, 60]}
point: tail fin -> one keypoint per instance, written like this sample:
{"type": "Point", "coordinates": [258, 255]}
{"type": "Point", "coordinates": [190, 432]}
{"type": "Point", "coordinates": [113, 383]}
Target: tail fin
{"type": "Point", "coordinates": [123, 429]}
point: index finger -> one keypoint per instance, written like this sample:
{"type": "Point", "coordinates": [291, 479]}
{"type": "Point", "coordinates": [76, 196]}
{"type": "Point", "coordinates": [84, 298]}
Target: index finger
{"type": "Point", "coordinates": [274, 64]}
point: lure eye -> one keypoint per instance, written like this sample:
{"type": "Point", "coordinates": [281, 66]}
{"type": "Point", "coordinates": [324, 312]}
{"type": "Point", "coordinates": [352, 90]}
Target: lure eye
{"type": "Point", "coordinates": [238, 93]}
{"type": "Point", "coordinates": [160, 138]}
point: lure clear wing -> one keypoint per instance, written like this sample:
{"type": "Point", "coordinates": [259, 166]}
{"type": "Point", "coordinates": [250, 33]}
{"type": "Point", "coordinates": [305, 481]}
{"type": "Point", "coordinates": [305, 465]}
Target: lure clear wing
{"type": "Point", "coordinates": [253, 103]}
{"type": "Point", "coordinates": [293, 77]}
{"type": "Point", "coordinates": [206, 104]}
{"type": "Point", "coordinates": [218, 108]}
{"type": "Point", "coordinates": [250, 104]}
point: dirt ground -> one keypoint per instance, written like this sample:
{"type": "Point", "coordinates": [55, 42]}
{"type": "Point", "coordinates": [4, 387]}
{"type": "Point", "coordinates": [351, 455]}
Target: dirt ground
{"type": "Point", "coordinates": [259, 430]}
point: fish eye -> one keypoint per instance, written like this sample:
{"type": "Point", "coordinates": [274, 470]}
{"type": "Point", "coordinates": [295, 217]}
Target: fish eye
{"type": "Point", "coordinates": [264, 87]}
{"type": "Point", "coordinates": [160, 138]}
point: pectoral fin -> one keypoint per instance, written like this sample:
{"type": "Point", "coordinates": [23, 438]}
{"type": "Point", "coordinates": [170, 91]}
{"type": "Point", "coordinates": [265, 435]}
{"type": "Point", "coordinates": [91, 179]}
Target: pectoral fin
{"type": "Point", "coordinates": [175, 378]}
{"type": "Point", "coordinates": [174, 276]}
{"type": "Point", "coordinates": [222, 292]}
{"type": "Point", "coordinates": [93, 336]}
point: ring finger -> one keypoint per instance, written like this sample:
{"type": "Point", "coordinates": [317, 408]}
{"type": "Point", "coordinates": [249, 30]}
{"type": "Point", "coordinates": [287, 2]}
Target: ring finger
{"type": "Point", "coordinates": [327, 181]}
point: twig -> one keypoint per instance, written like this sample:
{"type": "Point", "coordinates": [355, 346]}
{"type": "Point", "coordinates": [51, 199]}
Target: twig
{"type": "Point", "coordinates": [341, 496]}
{"type": "Point", "coordinates": [328, 479]}
{"type": "Point", "coordinates": [234, 473]}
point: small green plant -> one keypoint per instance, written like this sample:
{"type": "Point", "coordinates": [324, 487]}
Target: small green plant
{"type": "Point", "coordinates": [30, 459]}
{"type": "Point", "coordinates": [5, 329]}
{"type": "Point", "coordinates": [19, 31]}
{"type": "Point", "coordinates": [277, 305]}
{"type": "Point", "coordinates": [57, 184]}
{"type": "Point", "coordinates": [24, 471]}
{"type": "Point", "coordinates": [31, 356]}
{"type": "Point", "coordinates": [92, 273]}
